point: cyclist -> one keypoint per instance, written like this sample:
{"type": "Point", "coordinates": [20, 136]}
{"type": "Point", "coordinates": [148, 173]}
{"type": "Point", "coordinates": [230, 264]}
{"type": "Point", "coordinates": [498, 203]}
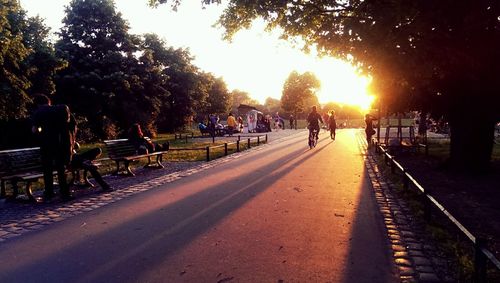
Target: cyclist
{"type": "Point", "coordinates": [313, 120]}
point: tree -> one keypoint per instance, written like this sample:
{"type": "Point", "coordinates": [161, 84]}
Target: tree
{"type": "Point", "coordinates": [239, 97]}
{"type": "Point", "coordinates": [42, 60]}
{"type": "Point", "coordinates": [14, 73]}
{"type": "Point", "coordinates": [272, 105]}
{"type": "Point", "coordinates": [218, 98]}
{"type": "Point", "coordinates": [299, 92]}
{"type": "Point", "coordinates": [187, 90]}
{"type": "Point", "coordinates": [99, 83]}
{"type": "Point", "coordinates": [439, 56]}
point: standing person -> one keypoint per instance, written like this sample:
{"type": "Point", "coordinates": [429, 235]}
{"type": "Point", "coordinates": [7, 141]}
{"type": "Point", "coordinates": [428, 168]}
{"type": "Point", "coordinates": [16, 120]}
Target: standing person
{"type": "Point", "coordinates": [369, 130]}
{"type": "Point", "coordinates": [332, 124]}
{"type": "Point", "coordinates": [240, 123]}
{"type": "Point", "coordinates": [214, 120]}
{"type": "Point", "coordinates": [55, 129]}
{"type": "Point", "coordinates": [231, 124]}
{"type": "Point", "coordinates": [291, 120]}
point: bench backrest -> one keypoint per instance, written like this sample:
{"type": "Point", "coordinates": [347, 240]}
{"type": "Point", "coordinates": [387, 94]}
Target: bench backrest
{"type": "Point", "coordinates": [20, 161]}
{"type": "Point", "coordinates": [120, 148]}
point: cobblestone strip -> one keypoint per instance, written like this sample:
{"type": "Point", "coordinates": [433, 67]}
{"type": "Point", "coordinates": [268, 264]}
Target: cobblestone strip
{"type": "Point", "coordinates": [28, 218]}
{"type": "Point", "coordinates": [410, 253]}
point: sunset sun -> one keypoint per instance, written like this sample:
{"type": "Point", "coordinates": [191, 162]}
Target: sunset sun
{"type": "Point", "coordinates": [340, 83]}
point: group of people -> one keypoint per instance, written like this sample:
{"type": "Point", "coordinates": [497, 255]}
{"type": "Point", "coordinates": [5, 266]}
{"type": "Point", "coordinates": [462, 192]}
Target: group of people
{"type": "Point", "coordinates": [314, 118]}
{"type": "Point", "coordinates": [213, 126]}
{"type": "Point", "coordinates": [54, 127]}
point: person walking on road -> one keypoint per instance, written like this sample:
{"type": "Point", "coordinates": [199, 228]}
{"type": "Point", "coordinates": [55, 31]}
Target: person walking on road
{"type": "Point", "coordinates": [55, 129]}
{"type": "Point", "coordinates": [292, 120]}
{"type": "Point", "coordinates": [332, 124]}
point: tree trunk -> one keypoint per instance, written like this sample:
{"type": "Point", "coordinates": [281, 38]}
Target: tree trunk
{"type": "Point", "coordinates": [472, 125]}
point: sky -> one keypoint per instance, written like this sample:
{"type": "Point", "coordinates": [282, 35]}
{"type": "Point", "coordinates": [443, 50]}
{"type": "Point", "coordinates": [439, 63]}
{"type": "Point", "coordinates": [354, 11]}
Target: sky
{"type": "Point", "coordinates": [256, 61]}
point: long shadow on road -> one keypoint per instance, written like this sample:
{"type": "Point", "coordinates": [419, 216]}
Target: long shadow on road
{"type": "Point", "coordinates": [124, 252]}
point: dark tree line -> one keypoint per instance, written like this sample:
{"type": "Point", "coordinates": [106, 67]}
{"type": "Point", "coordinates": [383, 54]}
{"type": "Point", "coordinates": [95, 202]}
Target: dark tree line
{"type": "Point", "coordinates": [109, 77]}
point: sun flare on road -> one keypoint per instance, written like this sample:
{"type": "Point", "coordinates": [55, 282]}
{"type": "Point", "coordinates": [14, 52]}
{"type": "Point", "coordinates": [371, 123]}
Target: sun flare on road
{"type": "Point", "coordinates": [341, 83]}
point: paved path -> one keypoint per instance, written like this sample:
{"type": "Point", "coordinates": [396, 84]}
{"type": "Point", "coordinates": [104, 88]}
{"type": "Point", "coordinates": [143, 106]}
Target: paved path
{"type": "Point", "coordinates": [277, 213]}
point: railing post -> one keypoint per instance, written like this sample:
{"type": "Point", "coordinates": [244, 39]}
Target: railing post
{"type": "Point", "coordinates": [258, 140]}
{"type": "Point", "coordinates": [208, 153]}
{"type": "Point", "coordinates": [248, 142]}
{"type": "Point", "coordinates": [479, 261]}
{"type": "Point", "coordinates": [225, 148]}
{"type": "Point", "coordinates": [393, 166]}
{"type": "Point", "coordinates": [213, 139]}
{"type": "Point", "coordinates": [427, 206]}
{"type": "Point", "coordinates": [266, 138]}
{"type": "Point", "coordinates": [186, 138]}
{"type": "Point", "coordinates": [238, 146]}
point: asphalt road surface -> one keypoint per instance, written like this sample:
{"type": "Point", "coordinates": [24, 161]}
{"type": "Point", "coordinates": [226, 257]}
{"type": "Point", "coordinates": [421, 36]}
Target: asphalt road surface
{"type": "Point", "coordinates": [280, 213]}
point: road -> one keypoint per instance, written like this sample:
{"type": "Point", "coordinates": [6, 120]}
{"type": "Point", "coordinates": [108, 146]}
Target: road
{"type": "Point", "coordinates": [279, 213]}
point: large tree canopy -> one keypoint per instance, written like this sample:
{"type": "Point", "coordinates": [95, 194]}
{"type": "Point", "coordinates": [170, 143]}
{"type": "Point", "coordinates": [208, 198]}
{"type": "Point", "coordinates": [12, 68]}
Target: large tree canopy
{"type": "Point", "coordinates": [439, 56]}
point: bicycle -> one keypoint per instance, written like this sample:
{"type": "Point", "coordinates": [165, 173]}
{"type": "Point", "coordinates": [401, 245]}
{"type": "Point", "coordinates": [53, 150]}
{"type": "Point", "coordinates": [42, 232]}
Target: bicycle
{"type": "Point", "coordinates": [313, 137]}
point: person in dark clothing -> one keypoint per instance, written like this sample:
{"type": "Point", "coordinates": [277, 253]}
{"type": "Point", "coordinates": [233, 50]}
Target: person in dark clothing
{"type": "Point", "coordinates": [332, 124]}
{"type": "Point", "coordinates": [55, 129]}
{"type": "Point", "coordinates": [313, 119]}
{"type": "Point", "coordinates": [84, 161]}
{"type": "Point", "coordinates": [292, 120]}
{"type": "Point", "coordinates": [369, 130]}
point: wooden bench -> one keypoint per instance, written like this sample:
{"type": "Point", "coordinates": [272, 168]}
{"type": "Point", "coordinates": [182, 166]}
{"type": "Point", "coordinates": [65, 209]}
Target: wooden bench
{"type": "Point", "coordinates": [24, 165]}
{"type": "Point", "coordinates": [122, 151]}
{"type": "Point", "coordinates": [20, 165]}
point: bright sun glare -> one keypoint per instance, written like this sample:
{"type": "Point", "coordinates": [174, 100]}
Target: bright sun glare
{"type": "Point", "coordinates": [340, 83]}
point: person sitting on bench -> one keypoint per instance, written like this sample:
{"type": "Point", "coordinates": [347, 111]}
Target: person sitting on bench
{"type": "Point", "coordinates": [142, 144]}
{"type": "Point", "coordinates": [84, 161]}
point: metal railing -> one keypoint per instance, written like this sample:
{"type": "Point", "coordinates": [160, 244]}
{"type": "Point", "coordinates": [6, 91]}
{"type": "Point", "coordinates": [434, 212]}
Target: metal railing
{"type": "Point", "coordinates": [481, 254]}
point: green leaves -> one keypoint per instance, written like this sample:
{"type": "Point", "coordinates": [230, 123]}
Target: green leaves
{"type": "Point", "coordinates": [299, 92]}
